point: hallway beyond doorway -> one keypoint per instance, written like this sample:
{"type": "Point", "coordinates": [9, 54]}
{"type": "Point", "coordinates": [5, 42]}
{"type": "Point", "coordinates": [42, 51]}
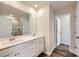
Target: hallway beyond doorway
{"type": "Point", "coordinates": [63, 29]}
{"type": "Point", "coordinates": [60, 51]}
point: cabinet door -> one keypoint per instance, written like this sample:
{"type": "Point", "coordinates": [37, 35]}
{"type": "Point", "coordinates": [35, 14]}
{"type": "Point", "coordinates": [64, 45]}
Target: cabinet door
{"type": "Point", "coordinates": [77, 26]}
{"type": "Point", "coordinates": [77, 45]}
{"type": "Point", "coordinates": [32, 48]}
{"type": "Point", "coordinates": [24, 53]}
{"type": "Point", "coordinates": [39, 46]}
{"type": "Point", "coordinates": [77, 20]}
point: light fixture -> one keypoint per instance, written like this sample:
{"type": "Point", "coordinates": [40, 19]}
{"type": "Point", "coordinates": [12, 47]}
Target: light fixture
{"type": "Point", "coordinates": [36, 5]}
{"type": "Point", "coordinates": [11, 15]}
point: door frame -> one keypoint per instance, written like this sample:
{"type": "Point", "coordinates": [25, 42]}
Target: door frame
{"type": "Point", "coordinates": [61, 29]}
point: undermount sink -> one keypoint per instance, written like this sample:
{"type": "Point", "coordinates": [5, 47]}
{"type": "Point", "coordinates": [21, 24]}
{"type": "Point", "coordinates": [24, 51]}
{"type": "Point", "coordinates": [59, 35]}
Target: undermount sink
{"type": "Point", "coordinates": [10, 42]}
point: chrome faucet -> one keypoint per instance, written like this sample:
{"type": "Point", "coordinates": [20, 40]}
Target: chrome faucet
{"type": "Point", "coordinates": [12, 38]}
{"type": "Point", "coordinates": [34, 34]}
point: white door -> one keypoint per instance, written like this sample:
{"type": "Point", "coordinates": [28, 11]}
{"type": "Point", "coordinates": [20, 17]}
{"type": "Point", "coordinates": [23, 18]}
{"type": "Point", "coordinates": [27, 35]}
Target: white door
{"type": "Point", "coordinates": [66, 29]}
{"type": "Point", "coordinates": [58, 30]}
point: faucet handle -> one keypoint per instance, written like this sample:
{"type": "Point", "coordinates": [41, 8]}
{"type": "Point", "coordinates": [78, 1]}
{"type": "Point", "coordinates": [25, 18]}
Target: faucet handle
{"type": "Point", "coordinates": [12, 38]}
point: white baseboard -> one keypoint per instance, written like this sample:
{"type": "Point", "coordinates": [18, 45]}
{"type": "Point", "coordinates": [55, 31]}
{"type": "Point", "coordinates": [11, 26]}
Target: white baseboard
{"type": "Point", "coordinates": [72, 51]}
{"type": "Point", "coordinates": [49, 52]}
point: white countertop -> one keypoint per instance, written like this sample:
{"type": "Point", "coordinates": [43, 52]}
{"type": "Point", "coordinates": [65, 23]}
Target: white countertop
{"type": "Point", "coordinates": [18, 40]}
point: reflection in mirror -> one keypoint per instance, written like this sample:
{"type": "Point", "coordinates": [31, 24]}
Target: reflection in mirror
{"type": "Point", "coordinates": [14, 26]}
{"type": "Point", "coordinates": [20, 26]}
{"type": "Point", "coordinates": [5, 26]}
{"type": "Point", "coordinates": [15, 22]}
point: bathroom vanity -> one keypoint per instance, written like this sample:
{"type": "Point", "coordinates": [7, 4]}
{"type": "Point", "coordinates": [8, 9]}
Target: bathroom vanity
{"type": "Point", "coordinates": [22, 46]}
{"type": "Point", "coordinates": [15, 27]}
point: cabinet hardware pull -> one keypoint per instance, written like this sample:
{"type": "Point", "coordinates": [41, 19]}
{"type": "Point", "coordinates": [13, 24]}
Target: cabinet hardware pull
{"type": "Point", "coordinates": [18, 53]}
{"type": "Point", "coordinates": [15, 54]}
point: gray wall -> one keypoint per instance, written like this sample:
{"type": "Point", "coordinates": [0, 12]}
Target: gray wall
{"type": "Point", "coordinates": [5, 26]}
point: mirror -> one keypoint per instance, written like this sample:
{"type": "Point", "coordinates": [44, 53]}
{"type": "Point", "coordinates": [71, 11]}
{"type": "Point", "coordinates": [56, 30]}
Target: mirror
{"type": "Point", "coordinates": [20, 26]}
{"type": "Point", "coordinates": [5, 26]}
{"type": "Point", "coordinates": [14, 22]}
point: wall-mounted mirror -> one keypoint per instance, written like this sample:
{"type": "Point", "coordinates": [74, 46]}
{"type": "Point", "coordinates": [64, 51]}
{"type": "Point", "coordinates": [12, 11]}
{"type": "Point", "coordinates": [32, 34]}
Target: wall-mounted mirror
{"type": "Point", "coordinates": [14, 22]}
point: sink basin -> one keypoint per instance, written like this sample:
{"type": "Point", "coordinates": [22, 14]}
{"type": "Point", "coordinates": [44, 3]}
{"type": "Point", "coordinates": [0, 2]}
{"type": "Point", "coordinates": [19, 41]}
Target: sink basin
{"type": "Point", "coordinates": [10, 42]}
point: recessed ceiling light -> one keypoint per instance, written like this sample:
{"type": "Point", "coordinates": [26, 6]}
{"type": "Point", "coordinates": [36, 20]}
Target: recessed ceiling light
{"type": "Point", "coordinates": [36, 5]}
{"type": "Point", "coordinates": [11, 15]}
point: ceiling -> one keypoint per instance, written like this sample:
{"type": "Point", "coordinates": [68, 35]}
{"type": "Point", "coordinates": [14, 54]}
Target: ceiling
{"type": "Point", "coordinates": [8, 10]}
{"type": "Point", "coordinates": [32, 3]}
{"type": "Point", "coordinates": [55, 4]}
{"type": "Point", "coordinates": [62, 4]}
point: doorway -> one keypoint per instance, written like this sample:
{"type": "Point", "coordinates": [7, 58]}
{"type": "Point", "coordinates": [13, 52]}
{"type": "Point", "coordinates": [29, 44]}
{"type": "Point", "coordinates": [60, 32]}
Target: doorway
{"type": "Point", "coordinates": [58, 31]}
{"type": "Point", "coordinates": [63, 32]}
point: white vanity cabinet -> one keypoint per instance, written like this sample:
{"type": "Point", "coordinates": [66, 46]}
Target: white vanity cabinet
{"type": "Point", "coordinates": [29, 48]}
{"type": "Point", "coordinates": [10, 50]}
{"type": "Point", "coordinates": [27, 51]}
{"type": "Point", "coordinates": [39, 45]}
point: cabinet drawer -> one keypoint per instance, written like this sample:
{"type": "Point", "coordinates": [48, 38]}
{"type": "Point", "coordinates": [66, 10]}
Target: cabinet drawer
{"type": "Point", "coordinates": [20, 53]}
{"type": "Point", "coordinates": [15, 54]}
{"type": "Point", "coordinates": [31, 48]}
{"type": "Point", "coordinates": [13, 49]}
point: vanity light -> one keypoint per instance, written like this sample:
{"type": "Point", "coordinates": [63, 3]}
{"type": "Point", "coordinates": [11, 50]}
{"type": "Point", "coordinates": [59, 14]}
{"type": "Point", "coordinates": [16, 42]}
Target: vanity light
{"type": "Point", "coordinates": [36, 5]}
{"type": "Point", "coordinates": [11, 17]}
